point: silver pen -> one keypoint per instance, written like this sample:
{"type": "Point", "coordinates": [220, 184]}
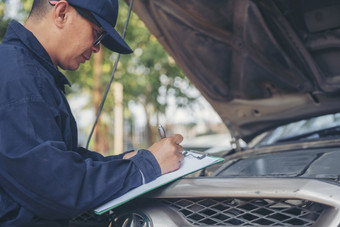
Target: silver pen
{"type": "Point", "coordinates": [161, 131]}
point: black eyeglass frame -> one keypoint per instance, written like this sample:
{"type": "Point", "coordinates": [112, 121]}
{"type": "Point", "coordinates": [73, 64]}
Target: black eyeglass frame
{"type": "Point", "coordinates": [87, 15]}
{"type": "Point", "coordinates": [100, 38]}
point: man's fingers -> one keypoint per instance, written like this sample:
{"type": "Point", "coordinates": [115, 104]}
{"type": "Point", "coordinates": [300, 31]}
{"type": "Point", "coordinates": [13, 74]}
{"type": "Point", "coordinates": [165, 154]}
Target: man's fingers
{"type": "Point", "coordinates": [168, 152]}
{"type": "Point", "coordinates": [177, 138]}
{"type": "Point", "coordinates": [180, 155]}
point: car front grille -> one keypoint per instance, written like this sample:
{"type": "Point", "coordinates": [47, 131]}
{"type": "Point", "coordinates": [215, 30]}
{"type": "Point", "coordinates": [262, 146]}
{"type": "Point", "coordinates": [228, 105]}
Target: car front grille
{"type": "Point", "coordinates": [90, 219]}
{"type": "Point", "coordinates": [247, 212]}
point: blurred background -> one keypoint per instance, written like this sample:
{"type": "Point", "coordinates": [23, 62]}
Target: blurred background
{"type": "Point", "coordinates": [148, 90]}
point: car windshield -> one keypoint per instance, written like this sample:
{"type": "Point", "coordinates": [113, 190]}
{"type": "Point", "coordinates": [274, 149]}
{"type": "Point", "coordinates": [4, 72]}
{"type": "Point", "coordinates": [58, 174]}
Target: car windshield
{"type": "Point", "coordinates": [310, 129]}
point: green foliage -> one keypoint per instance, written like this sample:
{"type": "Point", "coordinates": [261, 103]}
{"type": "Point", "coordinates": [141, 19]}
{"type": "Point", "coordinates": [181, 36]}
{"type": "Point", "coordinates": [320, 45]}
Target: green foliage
{"type": "Point", "coordinates": [150, 74]}
{"type": "Point", "coordinates": [3, 22]}
{"type": "Point", "coordinates": [27, 5]}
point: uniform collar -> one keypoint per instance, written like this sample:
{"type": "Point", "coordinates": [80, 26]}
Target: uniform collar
{"type": "Point", "coordinates": [18, 33]}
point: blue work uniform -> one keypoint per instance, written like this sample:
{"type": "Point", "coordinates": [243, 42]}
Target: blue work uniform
{"type": "Point", "coordinates": [44, 176]}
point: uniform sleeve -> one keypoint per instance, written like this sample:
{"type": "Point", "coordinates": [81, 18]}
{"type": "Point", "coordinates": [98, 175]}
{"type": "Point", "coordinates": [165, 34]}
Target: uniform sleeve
{"type": "Point", "coordinates": [97, 156]}
{"type": "Point", "coordinates": [39, 171]}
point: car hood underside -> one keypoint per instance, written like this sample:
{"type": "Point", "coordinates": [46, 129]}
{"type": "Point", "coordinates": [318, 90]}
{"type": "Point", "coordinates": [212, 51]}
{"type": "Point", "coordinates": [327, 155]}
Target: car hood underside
{"type": "Point", "coordinates": [259, 63]}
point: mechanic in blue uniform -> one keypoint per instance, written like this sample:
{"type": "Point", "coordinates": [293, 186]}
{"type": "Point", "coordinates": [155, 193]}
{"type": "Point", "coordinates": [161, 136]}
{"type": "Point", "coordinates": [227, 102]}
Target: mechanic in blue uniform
{"type": "Point", "coordinates": [45, 178]}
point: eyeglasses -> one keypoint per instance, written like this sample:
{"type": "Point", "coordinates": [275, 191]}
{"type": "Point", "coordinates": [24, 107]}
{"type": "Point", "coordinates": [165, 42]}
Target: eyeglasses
{"type": "Point", "coordinates": [87, 15]}
{"type": "Point", "coordinates": [100, 38]}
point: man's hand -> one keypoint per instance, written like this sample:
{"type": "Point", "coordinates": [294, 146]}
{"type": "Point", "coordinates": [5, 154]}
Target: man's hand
{"type": "Point", "coordinates": [168, 153]}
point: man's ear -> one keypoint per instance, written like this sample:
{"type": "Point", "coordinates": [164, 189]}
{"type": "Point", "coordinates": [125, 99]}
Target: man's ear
{"type": "Point", "coordinates": [60, 13]}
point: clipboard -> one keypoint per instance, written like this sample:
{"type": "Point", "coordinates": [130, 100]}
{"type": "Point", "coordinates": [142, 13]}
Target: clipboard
{"type": "Point", "coordinates": [193, 161]}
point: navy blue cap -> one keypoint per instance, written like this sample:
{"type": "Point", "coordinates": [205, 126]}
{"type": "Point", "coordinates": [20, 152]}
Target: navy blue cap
{"type": "Point", "coordinates": [105, 12]}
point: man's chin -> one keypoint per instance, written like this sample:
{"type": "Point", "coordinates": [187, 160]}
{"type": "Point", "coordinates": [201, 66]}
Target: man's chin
{"type": "Point", "coordinates": [70, 67]}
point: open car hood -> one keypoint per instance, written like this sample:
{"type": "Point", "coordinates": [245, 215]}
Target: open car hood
{"type": "Point", "coordinates": [259, 63]}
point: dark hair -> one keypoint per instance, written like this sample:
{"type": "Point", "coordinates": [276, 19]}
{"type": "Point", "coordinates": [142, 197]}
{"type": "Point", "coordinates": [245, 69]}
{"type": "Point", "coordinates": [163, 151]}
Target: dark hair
{"type": "Point", "coordinates": [39, 8]}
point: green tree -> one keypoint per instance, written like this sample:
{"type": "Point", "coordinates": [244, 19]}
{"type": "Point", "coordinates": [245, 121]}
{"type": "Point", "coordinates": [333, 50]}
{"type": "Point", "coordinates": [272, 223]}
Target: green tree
{"type": "Point", "coordinates": [151, 75]}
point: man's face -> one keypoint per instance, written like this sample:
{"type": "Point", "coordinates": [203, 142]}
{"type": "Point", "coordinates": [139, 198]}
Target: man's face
{"type": "Point", "coordinates": [80, 35]}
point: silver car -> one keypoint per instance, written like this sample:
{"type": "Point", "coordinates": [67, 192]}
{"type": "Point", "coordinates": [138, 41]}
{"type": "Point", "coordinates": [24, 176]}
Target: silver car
{"type": "Point", "coordinates": [271, 70]}
{"type": "Point", "coordinates": [290, 178]}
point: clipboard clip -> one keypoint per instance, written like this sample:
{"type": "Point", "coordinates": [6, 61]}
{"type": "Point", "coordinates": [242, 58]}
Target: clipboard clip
{"type": "Point", "coordinates": [195, 154]}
